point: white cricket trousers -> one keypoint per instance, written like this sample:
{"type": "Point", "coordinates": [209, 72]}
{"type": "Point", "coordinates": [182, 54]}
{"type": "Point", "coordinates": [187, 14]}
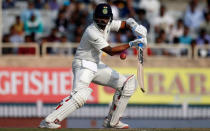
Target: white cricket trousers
{"type": "Point", "coordinates": [104, 76]}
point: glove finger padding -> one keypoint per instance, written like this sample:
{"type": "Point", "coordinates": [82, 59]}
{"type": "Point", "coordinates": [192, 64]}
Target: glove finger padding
{"type": "Point", "coordinates": [131, 22]}
{"type": "Point", "coordinates": [144, 41]}
{"type": "Point", "coordinates": [139, 30]}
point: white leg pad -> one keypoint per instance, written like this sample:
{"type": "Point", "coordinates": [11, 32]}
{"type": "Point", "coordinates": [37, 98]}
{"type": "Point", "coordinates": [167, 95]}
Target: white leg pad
{"type": "Point", "coordinates": [69, 105]}
{"type": "Point", "coordinates": [119, 109]}
{"type": "Point", "coordinates": [81, 96]}
{"type": "Point", "coordinates": [120, 100]}
{"type": "Point", "coordinates": [130, 86]}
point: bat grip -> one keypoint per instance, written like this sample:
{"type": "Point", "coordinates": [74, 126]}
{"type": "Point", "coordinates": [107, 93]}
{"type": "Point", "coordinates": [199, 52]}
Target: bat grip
{"type": "Point", "coordinates": [140, 52]}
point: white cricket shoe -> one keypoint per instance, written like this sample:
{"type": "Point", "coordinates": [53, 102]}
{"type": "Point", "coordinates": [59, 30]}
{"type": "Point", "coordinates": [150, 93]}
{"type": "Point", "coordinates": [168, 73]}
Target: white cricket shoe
{"type": "Point", "coordinates": [119, 125]}
{"type": "Point", "coordinates": [50, 125]}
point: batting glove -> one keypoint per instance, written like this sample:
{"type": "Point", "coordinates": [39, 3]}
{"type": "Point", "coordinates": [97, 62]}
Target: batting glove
{"type": "Point", "coordinates": [136, 43]}
{"type": "Point", "coordinates": [140, 30]}
{"type": "Point", "coordinates": [137, 29]}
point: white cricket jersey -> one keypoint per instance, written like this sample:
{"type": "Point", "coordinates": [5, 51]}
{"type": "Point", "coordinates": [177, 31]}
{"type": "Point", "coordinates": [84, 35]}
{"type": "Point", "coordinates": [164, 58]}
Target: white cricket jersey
{"type": "Point", "coordinates": [93, 40]}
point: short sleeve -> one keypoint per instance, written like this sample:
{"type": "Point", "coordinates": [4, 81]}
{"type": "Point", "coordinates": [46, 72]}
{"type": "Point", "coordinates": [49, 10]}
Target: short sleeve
{"type": "Point", "coordinates": [96, 40]}
{"type": "Point", "coordinates": [115, 25]}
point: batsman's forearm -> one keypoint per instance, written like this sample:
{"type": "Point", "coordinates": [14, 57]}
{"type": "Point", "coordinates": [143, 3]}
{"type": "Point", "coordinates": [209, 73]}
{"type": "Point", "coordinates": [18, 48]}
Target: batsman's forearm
{"type": "Point", "coordinates": [119, 49]}
{"type": "Point", "coordinates": [115, 50]}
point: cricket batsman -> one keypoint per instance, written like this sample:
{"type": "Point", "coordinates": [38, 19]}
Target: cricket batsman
{"type": "Point", "coordinates": [88, 67]}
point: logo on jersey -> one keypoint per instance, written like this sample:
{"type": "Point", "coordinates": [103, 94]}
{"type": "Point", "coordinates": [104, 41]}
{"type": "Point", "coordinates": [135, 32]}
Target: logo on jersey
{"type": "Point", "coordinates": [105, 10]}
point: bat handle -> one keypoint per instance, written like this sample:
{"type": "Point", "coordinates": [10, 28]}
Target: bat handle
{"type": "Point", "coordinates": [140, 51]}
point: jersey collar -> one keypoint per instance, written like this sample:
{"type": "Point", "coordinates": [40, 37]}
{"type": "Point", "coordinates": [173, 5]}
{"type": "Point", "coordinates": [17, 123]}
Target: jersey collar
{"type": "Point", "coordinates": [100, 28]}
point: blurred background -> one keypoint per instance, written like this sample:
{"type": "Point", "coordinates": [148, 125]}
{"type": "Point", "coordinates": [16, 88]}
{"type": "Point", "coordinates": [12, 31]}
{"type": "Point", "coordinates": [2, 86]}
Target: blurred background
{"type": "Point", "coordinates": [39, 40]}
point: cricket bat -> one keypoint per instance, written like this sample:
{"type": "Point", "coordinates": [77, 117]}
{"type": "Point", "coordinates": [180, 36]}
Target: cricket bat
{"type": "Point", "coordinates": [140, 68]}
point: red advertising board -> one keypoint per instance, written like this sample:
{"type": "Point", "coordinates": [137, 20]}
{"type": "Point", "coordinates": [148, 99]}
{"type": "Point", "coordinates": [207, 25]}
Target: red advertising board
{"type": "Point", "coordinates": [32, 84]}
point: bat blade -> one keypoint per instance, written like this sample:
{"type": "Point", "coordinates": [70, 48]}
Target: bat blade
{"type": "Point", "coordinates": [140, 76]}
{"type": "Point", "coordinates": [140, 70]}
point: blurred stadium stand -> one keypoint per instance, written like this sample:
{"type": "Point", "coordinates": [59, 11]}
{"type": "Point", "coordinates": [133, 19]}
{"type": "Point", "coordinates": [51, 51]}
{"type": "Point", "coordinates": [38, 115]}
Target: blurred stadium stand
{"type": "Point", "coordinates": [60, 24]}
{"type": "Point", "coordinates": [172, 44]}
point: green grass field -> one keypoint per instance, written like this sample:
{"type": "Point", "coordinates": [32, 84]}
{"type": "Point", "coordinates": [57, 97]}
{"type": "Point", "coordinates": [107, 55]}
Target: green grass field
{"type": "Point", "coordinates": [89, 129]}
